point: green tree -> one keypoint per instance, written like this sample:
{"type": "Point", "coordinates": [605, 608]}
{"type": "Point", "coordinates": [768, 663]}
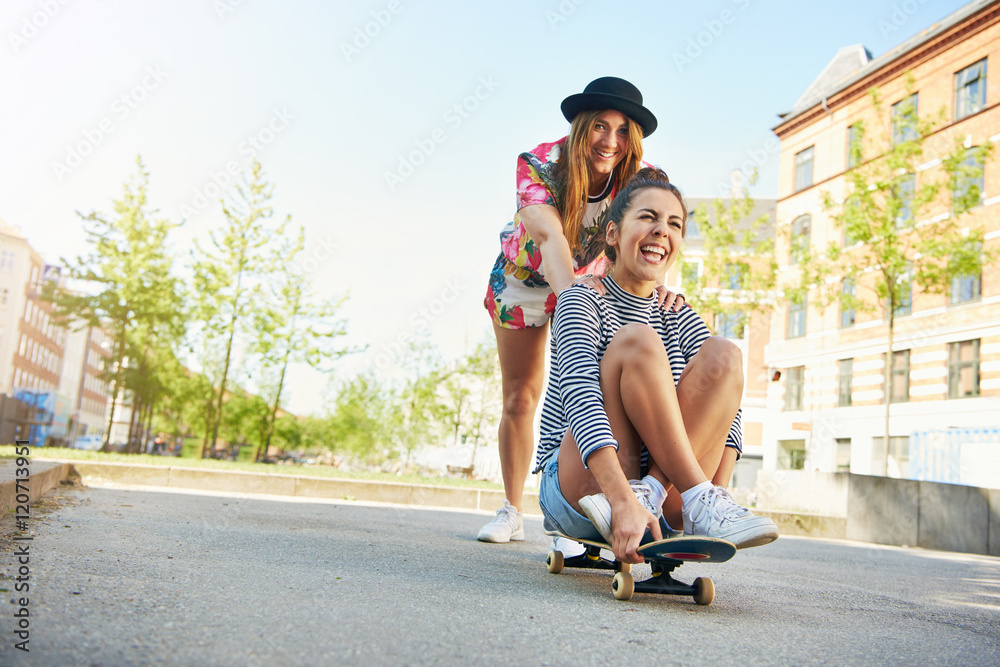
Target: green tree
{"type": "Point", "coordinates": [360, 423]}
{"type": "Point", "coordinates": [187, 397]}
{"type": "Point", "coordinates": [894, 230]}
{"type": "Point", "coordinates": [481, 370]}
{"type": "Point", "coordinates": [740, 269]}
{"type": "Point", "coordinates": [289, 432]}
{"type": "Point", "coordinates": [246, 419]}
{"type": "Point", "coordinates": [292, 327]}
{"type": "Point", "coordinates": [128, 290]}
{"type": "Point", "coordinates": [418, 407]}
{"type": "Point", "coordinates": [241, 256]}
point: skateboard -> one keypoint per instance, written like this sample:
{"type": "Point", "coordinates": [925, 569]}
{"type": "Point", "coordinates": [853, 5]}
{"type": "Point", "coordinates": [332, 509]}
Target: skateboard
{"type": "Point", "coordinates": [663, 556]}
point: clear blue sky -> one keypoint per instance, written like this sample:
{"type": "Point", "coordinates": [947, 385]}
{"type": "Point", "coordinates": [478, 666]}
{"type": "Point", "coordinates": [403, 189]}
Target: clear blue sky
{"type": "Point", "coordinates": [333, 96]}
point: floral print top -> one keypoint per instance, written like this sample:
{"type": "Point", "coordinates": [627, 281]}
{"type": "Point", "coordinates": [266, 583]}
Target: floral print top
{"type": "Point", "coordinates": [536, 185]}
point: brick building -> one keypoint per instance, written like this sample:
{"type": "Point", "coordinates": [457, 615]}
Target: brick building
{"type": "Point", "coordinates": [51, 369]}
{"type": "Point", "coordinates": [750, 331]}
{"type": "Point", "coordinates": [83, 363]}
{"type": "Point", "coordinates": [829, 401]}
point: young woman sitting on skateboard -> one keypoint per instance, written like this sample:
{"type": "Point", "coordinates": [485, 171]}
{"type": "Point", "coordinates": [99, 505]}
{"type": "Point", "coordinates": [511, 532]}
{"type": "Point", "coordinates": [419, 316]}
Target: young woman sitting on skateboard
{"type": "Point", "coordinates": [564, 189]}
{"type": "Point", "coordinates": [641, 413]}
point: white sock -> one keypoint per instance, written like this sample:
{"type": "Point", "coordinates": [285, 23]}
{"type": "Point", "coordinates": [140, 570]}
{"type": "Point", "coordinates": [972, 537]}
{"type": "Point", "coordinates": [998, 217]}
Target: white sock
{"type": "Point", "coordinates": [688, 497]}
{"type": "Point", "coordinates": [659, 493]}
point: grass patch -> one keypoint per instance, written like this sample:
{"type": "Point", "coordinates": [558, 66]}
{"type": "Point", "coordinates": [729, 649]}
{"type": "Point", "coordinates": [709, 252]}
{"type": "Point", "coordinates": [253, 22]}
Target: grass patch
{"type": "Point", "coordinates": [7, 452]}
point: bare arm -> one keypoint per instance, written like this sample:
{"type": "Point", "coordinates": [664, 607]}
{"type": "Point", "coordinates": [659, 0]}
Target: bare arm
{"type": "Point", "coordinates": [724, 474]}
{"type": "Point", "coordinates": [629, 519]}
{"type": "Point", "coordinates": [545, 226]}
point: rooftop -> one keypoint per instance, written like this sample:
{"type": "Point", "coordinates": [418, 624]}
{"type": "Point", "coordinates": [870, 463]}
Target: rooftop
{"type": "Point", "coordinates": [853, 63]}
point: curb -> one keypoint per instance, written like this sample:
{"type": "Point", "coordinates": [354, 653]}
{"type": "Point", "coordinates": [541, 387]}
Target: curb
{"type": "Point", "coordinates": [43, 477]}
{"type": "Point", "coordinates": [117, 475]}
{"type": "Point", "coordinates": [47, 474]}
{"type": "Point", "coordinates": [806, 525]}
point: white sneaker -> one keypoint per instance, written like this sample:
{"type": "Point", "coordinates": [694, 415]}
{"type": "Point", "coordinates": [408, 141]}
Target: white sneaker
{"type": "Point", "coordinates": [569, 548]}
{"type": "Point", "coordinates": [598, 509]}
{"type": "Point", "coordinates": [715, 514]}
{"type": "Point", "coordinates": [505, 526]}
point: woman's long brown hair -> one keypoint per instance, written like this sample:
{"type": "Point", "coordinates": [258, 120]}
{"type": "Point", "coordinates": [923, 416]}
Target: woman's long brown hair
{"type": "Point", "coordinates": [573, 173]}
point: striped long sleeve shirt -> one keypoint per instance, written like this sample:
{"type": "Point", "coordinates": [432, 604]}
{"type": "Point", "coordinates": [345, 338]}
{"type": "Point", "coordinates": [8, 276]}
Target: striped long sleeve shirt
{"type": "Point", "coordinates": [582, 329]}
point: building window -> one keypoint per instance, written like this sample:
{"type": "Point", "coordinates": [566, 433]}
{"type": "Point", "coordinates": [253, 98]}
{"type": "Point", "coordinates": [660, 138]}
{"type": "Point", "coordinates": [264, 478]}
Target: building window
{"type": "Point", "coordinates": [969, 182]}
{"type": "Point", "coordinates": [689, 274]}
{"type": "Point", "coordinates": [804, 169]}
{"type": "Point", "coordinates": [845, 382]}
{"type": "Point", "coordinates": [852, 220]}
{"type": "Point", "coordinates": [848, 288]}
{"type": "Point", "coordinates": [966, 288]}
{"type": "Point", "coordinates": [797, 319]}
{"type": "Point", "coordinates": [730, 325]}
{"type": "Point", "coordinates": [843, 455]}
{"type": "Point", "coordinates": [898, 459]}
{"type": "Point", "coordinates": [904, 119]}
{"type": "Point", "coordinates": [801, 228]}
{"type": "Point", "coordinates": [791, 454]}
{"type": "Point", "coordinates": [970, 89]}
{"type": "Point", "coordinates": [736, 275]}
{"type": "Point", "coordinates": [903, 192]}
{"type": "Point", "coordinates": [795, 382]}
{"type": "Point", "coordinates": [900, 375]}
{"type": "Point", "coordinates": [691, 229]}
{"type": "Point", "coordinates": [963, 369]}
{"type": "Point", "coordinates": [853, 146]}
{"type": "Point", "coordinates": [904, 305]}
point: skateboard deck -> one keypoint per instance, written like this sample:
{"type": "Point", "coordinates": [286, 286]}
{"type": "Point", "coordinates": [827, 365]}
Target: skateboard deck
{"type": "Point", "coordinates": [664, 556]}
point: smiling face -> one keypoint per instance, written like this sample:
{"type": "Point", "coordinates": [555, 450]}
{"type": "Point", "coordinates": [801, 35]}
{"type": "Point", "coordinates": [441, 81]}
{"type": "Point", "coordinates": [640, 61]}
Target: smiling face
{"type": "Point", "coordinates": [647, 240]}
{"type": "Point", "coordinates": [608, 144]}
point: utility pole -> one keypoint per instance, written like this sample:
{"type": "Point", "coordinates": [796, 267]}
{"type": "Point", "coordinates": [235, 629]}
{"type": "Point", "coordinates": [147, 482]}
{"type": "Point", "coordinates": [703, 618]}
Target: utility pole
{"type": "Point", "coordinates": [79, 393]}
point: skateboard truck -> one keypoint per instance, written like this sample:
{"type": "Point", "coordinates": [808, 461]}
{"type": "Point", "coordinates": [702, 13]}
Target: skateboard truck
{"type": "Point", "coordinates": [663, 557]}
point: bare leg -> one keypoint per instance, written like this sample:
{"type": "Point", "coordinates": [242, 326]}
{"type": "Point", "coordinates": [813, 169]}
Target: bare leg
{"type": "Point", "coordinates": [577, 482]}
{"type": "Point", "coordinates": [522, 366]}
{"type": "Point", "coordinates": [642, 406]}
{"type": "Point", "coordinates": [709, 393]}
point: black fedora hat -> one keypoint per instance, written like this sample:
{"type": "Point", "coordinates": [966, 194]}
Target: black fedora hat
{"type": "Point", "coordinates": [610, 92]}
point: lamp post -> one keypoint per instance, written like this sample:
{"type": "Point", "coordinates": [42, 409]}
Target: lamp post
{"type": "Point", "coordinates": [79, 393]}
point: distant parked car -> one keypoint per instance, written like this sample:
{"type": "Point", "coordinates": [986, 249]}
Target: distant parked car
{"type": "Point", "coordinates": [91, 442]}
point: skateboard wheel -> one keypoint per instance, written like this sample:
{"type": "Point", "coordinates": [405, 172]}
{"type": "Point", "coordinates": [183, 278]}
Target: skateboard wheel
{"type": "Point", "coordinates": [555, 562]}
{"type": "Point", "coordinates": [623, 586]}
{"type": "Point", "coordinates": [704, 590]}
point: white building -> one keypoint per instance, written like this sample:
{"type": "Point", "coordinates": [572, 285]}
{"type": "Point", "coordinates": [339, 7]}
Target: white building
{"type": "Point", "coordinates": [829, 404]}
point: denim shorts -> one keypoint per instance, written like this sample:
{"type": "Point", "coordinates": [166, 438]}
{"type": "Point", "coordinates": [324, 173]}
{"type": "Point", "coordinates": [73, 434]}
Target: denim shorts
{"type": "Point", "coordinates": [559, 514]}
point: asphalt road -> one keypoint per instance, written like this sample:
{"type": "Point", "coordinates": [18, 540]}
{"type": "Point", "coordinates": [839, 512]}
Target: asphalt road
{"type": "Point", "coordinates": [136, 577]}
